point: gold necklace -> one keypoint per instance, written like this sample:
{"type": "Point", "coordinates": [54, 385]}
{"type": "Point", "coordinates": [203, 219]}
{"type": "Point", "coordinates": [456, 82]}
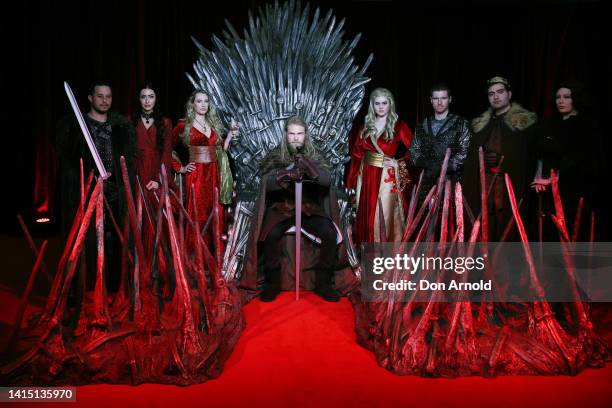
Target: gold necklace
{"type": "Point", "coordinates": [204, 126]}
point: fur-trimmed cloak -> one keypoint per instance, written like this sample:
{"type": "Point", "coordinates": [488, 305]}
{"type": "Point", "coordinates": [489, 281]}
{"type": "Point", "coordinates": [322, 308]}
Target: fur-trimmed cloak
{"type": "Point", "coordinates": [518, 130]}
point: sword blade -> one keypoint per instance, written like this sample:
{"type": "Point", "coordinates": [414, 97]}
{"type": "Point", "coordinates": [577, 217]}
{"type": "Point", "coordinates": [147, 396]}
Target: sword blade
{"type": "Point", "coordinates": [298, 236]}
{"type": "Point", "coordinates": [85, 130]}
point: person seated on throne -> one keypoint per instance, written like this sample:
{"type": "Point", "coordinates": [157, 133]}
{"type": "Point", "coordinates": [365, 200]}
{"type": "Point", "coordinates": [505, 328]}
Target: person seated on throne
{"type": "Point", "coordinates": [295, 159]}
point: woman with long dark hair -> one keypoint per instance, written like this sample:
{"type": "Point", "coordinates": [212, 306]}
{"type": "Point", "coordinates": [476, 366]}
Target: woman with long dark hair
{"type": "Point", "coordinates": [153, 138]}
{"type": "Point", "coordinates": [571, 144]}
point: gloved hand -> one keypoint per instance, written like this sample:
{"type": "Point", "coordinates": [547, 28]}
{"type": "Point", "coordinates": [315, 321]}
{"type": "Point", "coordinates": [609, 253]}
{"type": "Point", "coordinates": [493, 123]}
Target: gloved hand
{"type": "Point", "coordinates": [306, 167]}
{"type": "Point", "coordinates": [285, 177]}
{"type": "Point", "coordinates": [491, 158]}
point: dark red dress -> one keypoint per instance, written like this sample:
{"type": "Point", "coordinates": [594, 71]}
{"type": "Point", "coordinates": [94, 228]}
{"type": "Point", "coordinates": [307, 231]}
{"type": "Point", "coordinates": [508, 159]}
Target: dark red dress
{"type": "Point", "coordinates": [148, 158]}
{"type": "Point", "coordinates": [205, 178]}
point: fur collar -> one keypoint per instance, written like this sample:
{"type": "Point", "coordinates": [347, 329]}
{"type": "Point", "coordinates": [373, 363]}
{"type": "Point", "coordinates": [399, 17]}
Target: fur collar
{"type": "Point", "coordinates": [517, 118]}
{"type": "Point", "coordinates": [273, 160]}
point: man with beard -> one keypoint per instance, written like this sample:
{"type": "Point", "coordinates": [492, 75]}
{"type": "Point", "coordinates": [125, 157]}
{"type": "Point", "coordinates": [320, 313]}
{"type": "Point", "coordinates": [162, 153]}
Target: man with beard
{"type": "Point", "coordinates": [296, 159]}
{"type": "Point", "coordinates": [113, 136]}
{"type": "Point", "coordinates": [436, 134]}
{"type": "Point", "coordinates": [505, 129]}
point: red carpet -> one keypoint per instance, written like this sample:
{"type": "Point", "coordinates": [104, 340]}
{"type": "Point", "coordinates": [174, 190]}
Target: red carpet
{"type": "Point", "coordinates": [304, 353]}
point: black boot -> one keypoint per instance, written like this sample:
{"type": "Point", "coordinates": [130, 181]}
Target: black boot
{"type": "Point", "coordinates": [269, 293]}
{"type": "Point", "coordinates": [323, 286]}
{"type": "Point", "coordinates": [272, 285]}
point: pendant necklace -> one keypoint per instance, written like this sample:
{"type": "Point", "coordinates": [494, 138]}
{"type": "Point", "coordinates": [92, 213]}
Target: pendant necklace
{"type": "Point", "coordinates": [204, 126]}
{"type": "Point", "coordinates": [147, 116]}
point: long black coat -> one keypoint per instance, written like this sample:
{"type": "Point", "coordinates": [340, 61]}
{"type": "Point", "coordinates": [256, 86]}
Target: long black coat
{"type": "Point", "coordinates": [519, 129]}
{"type": "Point", "coordinates": [71, 147]}
{"type": "Point", "coordinates": [427, 150]}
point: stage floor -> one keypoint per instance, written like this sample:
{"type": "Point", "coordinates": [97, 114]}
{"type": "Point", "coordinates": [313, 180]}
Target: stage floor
{"type": "Point", "coordinates": [304, 353]}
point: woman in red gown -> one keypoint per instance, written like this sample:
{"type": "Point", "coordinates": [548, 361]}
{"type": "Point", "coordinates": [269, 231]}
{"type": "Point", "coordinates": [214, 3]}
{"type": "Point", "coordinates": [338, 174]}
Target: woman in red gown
{"type": "Point", "coordinates": [379, 156]}
{"type": "Point", "coordinates": [208, 166]}
{"type": "Point", "coordinates": [153, 140]}
{"type": "Point", "coordinates": [153, 148]}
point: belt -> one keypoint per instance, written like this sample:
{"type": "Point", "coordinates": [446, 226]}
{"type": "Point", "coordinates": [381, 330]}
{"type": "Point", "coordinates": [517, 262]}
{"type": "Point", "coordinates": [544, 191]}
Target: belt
{"type": "Point", "coordinates": [203, 154]}
{"type": "Point", "coordinates": [374, 158]}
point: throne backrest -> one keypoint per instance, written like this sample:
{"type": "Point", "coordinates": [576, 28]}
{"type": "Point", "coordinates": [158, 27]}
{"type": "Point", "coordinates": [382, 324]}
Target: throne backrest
{"type": "Point", "coordinates": [287, 63]}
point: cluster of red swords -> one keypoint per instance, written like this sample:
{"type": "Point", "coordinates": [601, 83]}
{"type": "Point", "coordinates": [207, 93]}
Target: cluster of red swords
{"type": "Point", "coordinates": [184, 336]}
{"type": "Point", "coordinates": [136, 335]}
{"type": "Point", "coordinates": [461, 338]}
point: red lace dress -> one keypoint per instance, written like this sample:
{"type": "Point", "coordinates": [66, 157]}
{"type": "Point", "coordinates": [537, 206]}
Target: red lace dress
{"type": "Point", "coordinates": [205, 178]}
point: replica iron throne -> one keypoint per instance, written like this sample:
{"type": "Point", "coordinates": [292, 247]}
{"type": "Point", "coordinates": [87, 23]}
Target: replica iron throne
{"type": "Point", "coordinates": [287, 64]}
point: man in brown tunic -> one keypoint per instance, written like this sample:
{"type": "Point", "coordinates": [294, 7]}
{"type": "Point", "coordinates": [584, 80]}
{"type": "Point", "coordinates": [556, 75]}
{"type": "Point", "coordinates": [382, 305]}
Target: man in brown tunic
{"type": "Point", "coordinates": [505, 129]}
{"type": "Point", "coordinates": [295, 159]}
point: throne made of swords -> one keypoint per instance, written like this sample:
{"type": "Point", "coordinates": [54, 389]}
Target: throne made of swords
{"type": "Point", "coordinates": [288, 62]}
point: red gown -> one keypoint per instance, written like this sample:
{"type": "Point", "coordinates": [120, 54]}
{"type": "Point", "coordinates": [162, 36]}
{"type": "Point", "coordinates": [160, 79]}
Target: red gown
{"type": "Point", "coordinates": [148, 168]}
{"type": "Point", "coordinates": [205, 178]}
{"type": "Point", "coordinates": [371, 183]}
{"type": "Point", "coordinates": [148, 158]}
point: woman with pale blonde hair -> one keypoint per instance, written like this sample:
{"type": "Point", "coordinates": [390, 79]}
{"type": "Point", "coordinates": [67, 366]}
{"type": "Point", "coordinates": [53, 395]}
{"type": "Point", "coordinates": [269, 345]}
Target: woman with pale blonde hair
{"type": "Point", "coordinates": [379, 159]}
{"type": "Point", "coordinates": [198, 135]}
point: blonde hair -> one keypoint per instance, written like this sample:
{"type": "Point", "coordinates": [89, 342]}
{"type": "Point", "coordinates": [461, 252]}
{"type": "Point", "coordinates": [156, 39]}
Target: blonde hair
{"type": "Point", "coordinates": [369, 126]}
{"type": "Point", "coordinates": [281, 156]}
{"type": "Point", "coordinates": [308, 149]}
{"type": "Point", "coordinates": [211, 116]}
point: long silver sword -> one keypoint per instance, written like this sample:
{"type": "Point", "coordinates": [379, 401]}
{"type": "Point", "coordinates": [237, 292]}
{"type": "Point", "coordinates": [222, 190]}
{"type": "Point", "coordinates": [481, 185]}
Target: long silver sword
{"type": "Point", "coordinates": [85, 130]}
{"type": "Point", "coordinates": [298, 236]}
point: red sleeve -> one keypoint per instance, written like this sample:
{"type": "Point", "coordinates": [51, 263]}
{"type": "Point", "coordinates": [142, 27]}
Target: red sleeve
{"type": "Point", "coordinates": [356, 156]}
{"type": "Point", "coordinates": [174, 137]}
{"type": "Point", "coordinates": [167, 137]}
{"type": "Point", "coordinates": [176, 132]}
{"type": "Point", "coordinates": [405, 135]}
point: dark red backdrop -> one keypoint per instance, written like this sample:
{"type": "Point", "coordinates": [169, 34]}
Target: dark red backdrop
{"type": "Point", "coordinates": [461, 43]}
